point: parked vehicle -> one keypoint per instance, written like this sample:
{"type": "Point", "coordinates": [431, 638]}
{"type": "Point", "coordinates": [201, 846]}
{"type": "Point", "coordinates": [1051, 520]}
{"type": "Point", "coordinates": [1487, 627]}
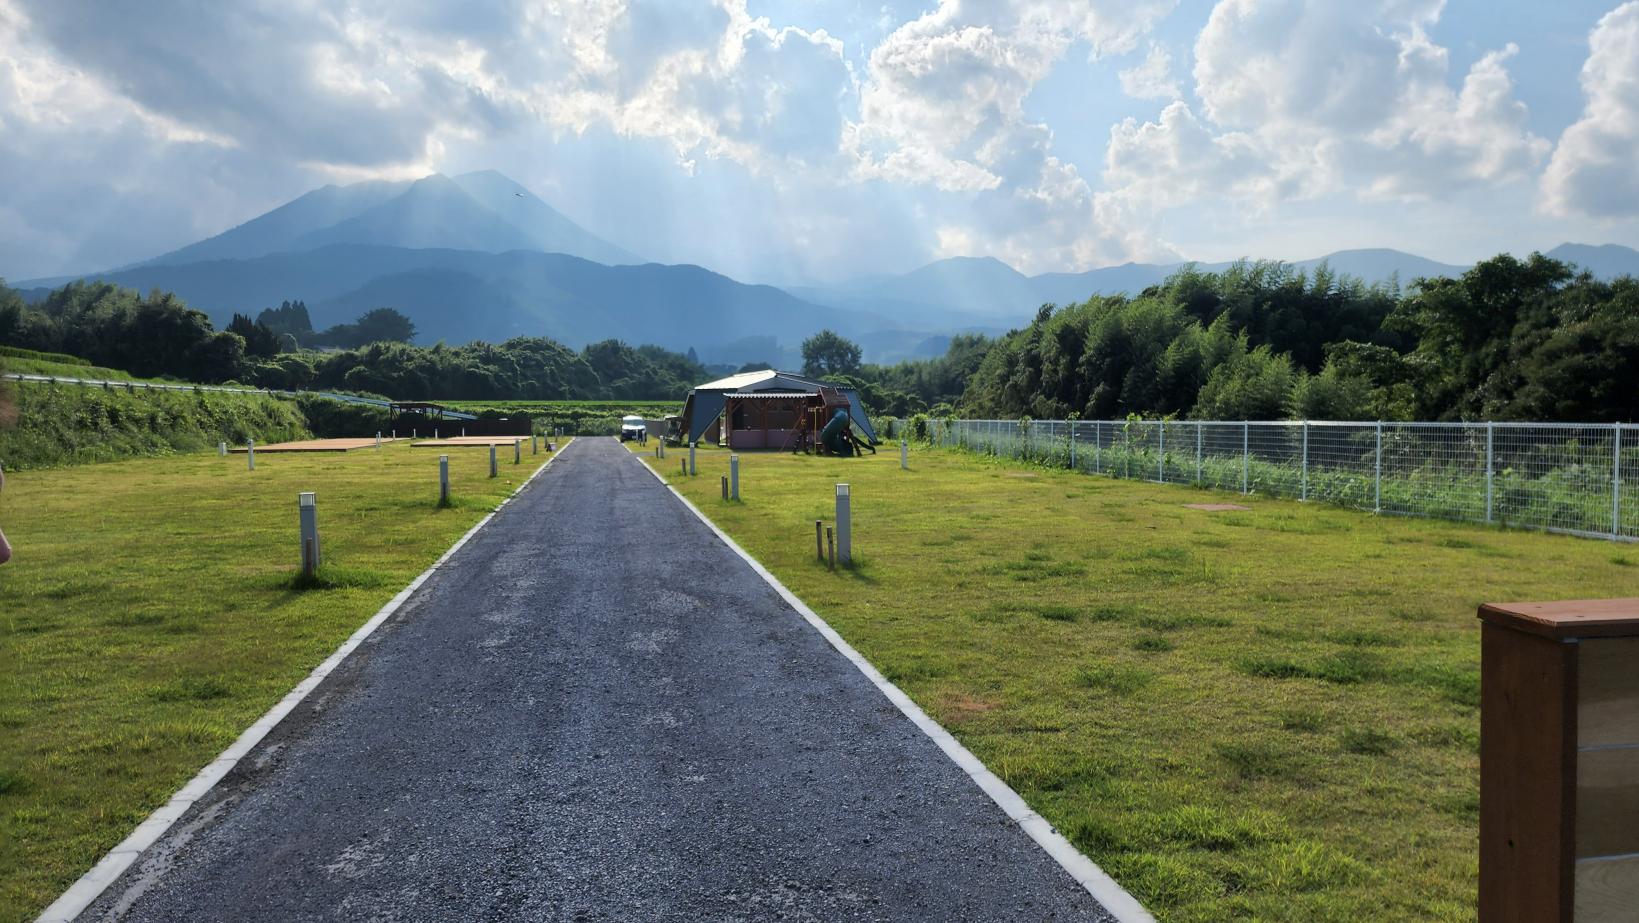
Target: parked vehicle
{"type": "Point", "coordinates": [633, 429]}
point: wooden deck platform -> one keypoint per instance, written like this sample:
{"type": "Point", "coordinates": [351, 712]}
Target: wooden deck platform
{"type": "Point", "coordinates": [316, 445]}
{"type": "Point", "coordinates": [457, 442]}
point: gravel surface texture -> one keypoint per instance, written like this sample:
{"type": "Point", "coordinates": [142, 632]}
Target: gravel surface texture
{"type": "Point", "coordinates": [596, 711]}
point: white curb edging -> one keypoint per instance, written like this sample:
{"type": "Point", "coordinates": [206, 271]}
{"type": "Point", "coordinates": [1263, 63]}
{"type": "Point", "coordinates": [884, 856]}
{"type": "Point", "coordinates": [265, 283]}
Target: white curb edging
{"type": "Point", "coordinates": [82, 893]}
{"type": "Point", "coordinates": [1115, 899]}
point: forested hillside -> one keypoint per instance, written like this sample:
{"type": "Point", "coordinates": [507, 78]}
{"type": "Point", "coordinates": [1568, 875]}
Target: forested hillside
{"type": "Point", "coordinates": [1510, 339]}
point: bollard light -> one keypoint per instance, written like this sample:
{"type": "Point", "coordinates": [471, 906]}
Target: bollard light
{"type": "Point", "coordinates": [250, 454]}
{"type": "Point", "coordinates": [534, 444]}
{"type": "Point", "coordinates": [308, 506]}
{"type": "Point", "coordinates": [517, 451]}
{"type": "Point", "coordinates": [844, 524]}
{"type": "Point", "coordinates": [692, 469]}
{"type": "Point", "coordinates": [444, 480]}
{"type": "Point", "coordinates": [222, 449]}
{"type": "Point", "coordinates": [493, 471]}
{"type": "Point", "coordinates": [904, 455]}
{"type": "Point", "coordinates": [378, 438]}
{"type": "Point", "coordinates": [734, 477]}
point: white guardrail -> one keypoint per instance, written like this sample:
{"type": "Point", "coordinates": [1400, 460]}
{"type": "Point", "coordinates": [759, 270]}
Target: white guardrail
{"type": "Point", "coordinates": [1579, 478]}
{"type": "Point", "coordinates": [164, 386]}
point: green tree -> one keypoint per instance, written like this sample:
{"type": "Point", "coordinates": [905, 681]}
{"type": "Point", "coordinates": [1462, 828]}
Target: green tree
{"type": "Point", "coordinates": [827, 353]}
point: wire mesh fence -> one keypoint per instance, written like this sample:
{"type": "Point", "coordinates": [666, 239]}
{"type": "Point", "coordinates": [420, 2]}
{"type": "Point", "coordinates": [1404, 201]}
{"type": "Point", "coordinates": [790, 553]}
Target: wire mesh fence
{"type": "Point", "coordinates": [1580, 478]}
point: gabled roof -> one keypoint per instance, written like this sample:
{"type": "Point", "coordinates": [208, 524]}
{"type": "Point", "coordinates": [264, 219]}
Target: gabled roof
{"type": "Point", "coordinates": [765, 380]}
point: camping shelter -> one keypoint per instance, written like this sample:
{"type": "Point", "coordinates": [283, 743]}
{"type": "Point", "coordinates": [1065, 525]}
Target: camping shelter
{"type": "Point", "coordinates": [768, 409]}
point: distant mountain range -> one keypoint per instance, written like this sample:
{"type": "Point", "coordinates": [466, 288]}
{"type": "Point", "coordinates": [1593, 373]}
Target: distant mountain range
{"type": "Point", "coordinates": [478, 256]}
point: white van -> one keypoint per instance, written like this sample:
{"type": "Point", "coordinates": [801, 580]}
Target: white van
{"type": "Point", "coordinates": [632, 428]}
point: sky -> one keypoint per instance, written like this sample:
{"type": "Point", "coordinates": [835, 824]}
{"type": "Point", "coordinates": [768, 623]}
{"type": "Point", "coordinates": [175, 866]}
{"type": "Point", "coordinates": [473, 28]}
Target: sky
{"type": "Point", "coordinates": [820, 140]}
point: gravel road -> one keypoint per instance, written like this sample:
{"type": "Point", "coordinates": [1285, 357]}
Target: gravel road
{"type": "Point", "coordinates": [541, 734]}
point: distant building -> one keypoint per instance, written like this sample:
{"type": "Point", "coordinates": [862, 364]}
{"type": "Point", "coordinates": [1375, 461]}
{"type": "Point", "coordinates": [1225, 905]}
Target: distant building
{"type": "Point", "coordinates": [769, 410]}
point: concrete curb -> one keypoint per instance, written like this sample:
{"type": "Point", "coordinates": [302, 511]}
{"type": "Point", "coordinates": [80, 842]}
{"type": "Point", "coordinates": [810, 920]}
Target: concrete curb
{"type": "Point", "coordinates": [93, 883]}
{"type": "Point", "coordinates": [1115, 899]}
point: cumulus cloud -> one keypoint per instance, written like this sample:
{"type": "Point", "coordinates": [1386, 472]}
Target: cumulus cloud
{"type": "Point", "coordinates": [942, 104]}
{"type": "Point", "coordinates": [1151, 79]}
{"type": "Point", "coordinates": [1309, 97]}
{"type": "Point", "coordinates": [1594, 170]}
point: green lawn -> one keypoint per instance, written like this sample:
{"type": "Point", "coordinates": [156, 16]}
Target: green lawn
{"type": "Point", "coordinates": [149, 617]}
{"type": "Point", "coordinates": [1261, 715]}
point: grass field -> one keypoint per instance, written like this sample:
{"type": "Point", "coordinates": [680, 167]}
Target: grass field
{"type": "Point", "coordinates": [1265, 715]}
{"type": "Point", "coordinates": [149, 616]}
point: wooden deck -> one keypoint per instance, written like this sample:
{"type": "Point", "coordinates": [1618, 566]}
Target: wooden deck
{"type": "Point", "coordinates": [456, 442]}
{"type": "Point", "coordinates": [317, 445]}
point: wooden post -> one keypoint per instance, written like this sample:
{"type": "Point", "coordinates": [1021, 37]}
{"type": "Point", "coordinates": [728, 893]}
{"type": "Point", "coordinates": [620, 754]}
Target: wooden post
{"type": "Point", "coordinates": [819, 539]}
{"type": "Point", "coordinates": [1559, 761]}
{"type": "Point", "coordinates": [725, 487]}
{"type": "Point", "coordinates": [831, 547]}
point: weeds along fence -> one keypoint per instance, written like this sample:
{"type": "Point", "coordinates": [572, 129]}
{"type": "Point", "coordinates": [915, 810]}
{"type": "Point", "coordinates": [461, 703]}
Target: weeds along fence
{"type": "Point", "coordinates": [1577, 478]}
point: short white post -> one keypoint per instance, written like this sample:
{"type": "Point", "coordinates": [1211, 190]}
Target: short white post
{"type": "Point", "coordinates": [904, 455]}
{"type": "Point", "coordinates": [534, 444]}
{"type": "Point", "coordinates": [844, 524]}
{"type": "Point", "coordinates": [378, 438]}
{"type": "Point", "coordinates": [493, 471]}
{"type": "Point", "coordinates": [443, 480]}
{"type": "Point", "coordinates": [250, 454]}
{"type": "Point", "coordinates": [435, 432]}
{"type": "Point", "coordinates": [463, 432]}
{"type": "Point", "coordinates": [308, 505]}
{"type": "Point", "coordinates": [734, 477]}
{"type": "Point", "coordinates": [517, 451]}
{"type": "Point", "coordinates": [692, 469]}
{"type": "Point", "coordinates": [413, 433]}
{"type": "Point", "coordinates": [222, 449]}
{"type": "Point", "coordinates": [395, 434]}
{"type": "Point", "coordinates": [1072, 447]}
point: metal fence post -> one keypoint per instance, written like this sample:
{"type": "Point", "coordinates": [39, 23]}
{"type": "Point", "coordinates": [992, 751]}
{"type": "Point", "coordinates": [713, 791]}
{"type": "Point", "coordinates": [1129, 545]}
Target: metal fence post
{"type": "Point", "coordinates": [1303, 492]}
{"type": "Point", "coordinates": [1616, 480]}
{"type": "Point", "coordinates": [1377, 486]}
{"type": "Point", "coordinates": [1161, 450]}
{"type": "Point", "coordinates": [1197, 451]}
{"type": "Point", "coordinates": [1246, 456]}
{"type": "Point", "coordinates": [1098, 448]}
{"type": "Point", "coordinates": [1490, 466]}
{"type": "Point", "coordinates": [1072, 445]}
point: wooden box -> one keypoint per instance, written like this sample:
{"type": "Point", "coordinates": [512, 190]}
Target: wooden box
{"type": "Point", "coordinates": [1559, 762]}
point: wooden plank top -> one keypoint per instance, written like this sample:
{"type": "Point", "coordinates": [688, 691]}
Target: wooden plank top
{"type": "Point", "coordinates": [1571, 618]}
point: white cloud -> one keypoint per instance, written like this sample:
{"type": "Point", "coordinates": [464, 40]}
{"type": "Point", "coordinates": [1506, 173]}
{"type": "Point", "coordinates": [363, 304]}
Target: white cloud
{"type": "Point", "coordinates": [1151, 79]}
{"type": "Point", "coordinates": [942, 105]}
{"type": "Point", "coordinates": [1595, 170]}
{"type": "Point", "coordinates": [1309, 97]}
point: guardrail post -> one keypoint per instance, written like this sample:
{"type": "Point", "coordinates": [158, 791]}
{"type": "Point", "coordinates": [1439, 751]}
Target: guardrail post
{"type": "Point", "coordinates": [844, 525]}
{"type": "Point", "coordinates": [1490, 467]}
{"type": "Point", "coordinates": [1246, 456]}
{"type": "Point", "coordinates": [1304, 490]}
{"type": "Point", "coordinates": [307, 504]}
{"type": "Point", "coordinates": [1377, 481]}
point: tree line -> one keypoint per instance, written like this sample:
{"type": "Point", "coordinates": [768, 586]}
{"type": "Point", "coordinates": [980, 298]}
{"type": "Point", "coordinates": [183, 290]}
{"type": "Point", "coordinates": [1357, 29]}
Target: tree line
{"type": "Point", "coordinates": [158, 336]}
{"type": "Point", "coordinates": [1510, 339]}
